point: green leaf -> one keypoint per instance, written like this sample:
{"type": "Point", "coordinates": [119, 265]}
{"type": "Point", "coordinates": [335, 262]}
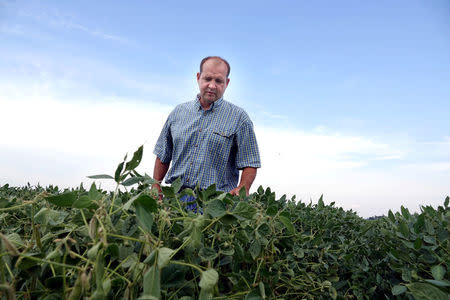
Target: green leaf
{"type": "Point", "coordinates": [418, 243]}
{"type": "Point", "coordinates": [405, 212]}
{"type": "Point", "coordinates": [168, 191]}
{"type": "Point", "coordinates": [406, 274]}
{"type": "Point", "coordinates": [94, 194]}
{"type": "Point", "coordinates": [242, 193]}
{"type": "Point", "coordinates": [145, 205]}
{"type": "Point", "coordinates": [403, 228]}
{"type": "Point", "coordinates": [152, 283]}
{"type": "Point", "coordinates": [425, 291]}
{"type": "Point", "coordinates": [287, 223]}
{"type": "Point", "coordinates": [164, 256]}
{"type": "Point", "coordinates": [136, 160]}
{"type": "Point", "coordinates": [320, 203]}
{"type": "Point", "coordinates": [92, 253]}
{"type": "Point", "coordinates": [398, 289]}
{"type": "Point", "coordinates": [113, 250]}
{"type": "Point", "coordinates": [208, 279]}
{"type": "Point", "coordinates": [420, 223]}
{"type": "Point", "coordinates": [255, 249]}
{"type": "Point", "coordinates": [438, 272]}
{"type": "Point", "coordinates": [441, 283]}
{"type": "Point", "coordinates": [129, 226]}
{"type": "Point", "coordinates": [429, 239]}
{"type": "Point", "coordinates": [253, 295]}
{"type": "Point", "coordinates": [101, 176]}
{"type": "Point", "coordinates": [447, 199]}
{"type": "Point", "coordinates": [99, 271]}
{"type": "Point", "coordinates": [207, 253]}
{"type": "Point", "coordinates": [118, 172]}
{"type": "Point", "coordinates": [215, 208]}
{"type": "Point", "coordinates": [82, 202]}
{"type": "Point", "coordinates": [260, 190]}
{"type": "Point", "coordinates": [47, 216]}
{"type": "Point", "coordinates": [272, 210]}
{"type": "Point", "coordinates": [63, 200]}
{"type": "Point", "coordinates": [244, 210]}
{"type": "Point", "coordinates": [262, 290]}
{"type": "Point", "coordinates": [132, 180]}
{"type": "Point", "coordinates": [391, 216]}
{"type": "Point", "coordinates": [176, 185]}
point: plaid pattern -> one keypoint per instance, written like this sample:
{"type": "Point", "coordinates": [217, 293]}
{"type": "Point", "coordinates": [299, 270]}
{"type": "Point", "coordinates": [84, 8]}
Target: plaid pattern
{"type": "Point", "coordinates": [207, 147]}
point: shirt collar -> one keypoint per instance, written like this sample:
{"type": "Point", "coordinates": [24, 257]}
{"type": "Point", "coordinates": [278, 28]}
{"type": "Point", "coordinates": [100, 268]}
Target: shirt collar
{"type": "Point", "coordinates": [215, 105]}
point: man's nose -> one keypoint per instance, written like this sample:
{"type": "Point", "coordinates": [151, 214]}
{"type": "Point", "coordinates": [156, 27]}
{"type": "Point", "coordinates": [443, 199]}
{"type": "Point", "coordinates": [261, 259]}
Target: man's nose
{"type": "Point", "coordinates": [212, 85]}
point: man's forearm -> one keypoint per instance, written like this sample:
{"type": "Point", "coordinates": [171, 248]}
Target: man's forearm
{"type": "Point", "coordinates": [160, 170]}
{"type": "Point", "coordinates": [247, 177]}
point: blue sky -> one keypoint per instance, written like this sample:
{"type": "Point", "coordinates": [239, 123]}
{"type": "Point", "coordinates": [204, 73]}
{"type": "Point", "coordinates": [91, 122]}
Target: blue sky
{"type": "Point", "coordinates": [349, 98]}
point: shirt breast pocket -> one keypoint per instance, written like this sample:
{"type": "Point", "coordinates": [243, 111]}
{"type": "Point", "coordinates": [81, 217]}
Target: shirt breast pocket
{"type": "Point", "coordinates": [220, 144]}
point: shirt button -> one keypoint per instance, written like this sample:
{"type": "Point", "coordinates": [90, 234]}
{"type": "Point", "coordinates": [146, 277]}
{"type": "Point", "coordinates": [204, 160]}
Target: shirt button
{"type": "Point", "coordinates": [200, 130]}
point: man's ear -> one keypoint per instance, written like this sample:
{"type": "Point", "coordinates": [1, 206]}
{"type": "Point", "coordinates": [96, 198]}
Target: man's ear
{"type": "Point", "coordinates": [228, 81]}
{"type": "Point", "coordinates": [198, 76]}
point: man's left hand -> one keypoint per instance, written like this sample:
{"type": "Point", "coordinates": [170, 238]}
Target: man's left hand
{"type": "Point", "coordinates": [235, 192]}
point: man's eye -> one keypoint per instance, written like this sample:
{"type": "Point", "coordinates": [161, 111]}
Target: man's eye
{"type": "Point", "coordinates": [219, 81]}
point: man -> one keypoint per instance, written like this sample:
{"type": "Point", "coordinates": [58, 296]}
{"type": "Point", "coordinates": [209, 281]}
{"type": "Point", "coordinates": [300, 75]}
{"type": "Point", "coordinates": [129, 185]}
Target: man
{"type": "Point", "coordinates": [208, 140]}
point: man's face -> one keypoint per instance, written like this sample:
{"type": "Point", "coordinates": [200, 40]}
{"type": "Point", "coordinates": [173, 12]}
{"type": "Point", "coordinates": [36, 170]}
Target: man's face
{"type": "Point", "coordinates": [213, 81]}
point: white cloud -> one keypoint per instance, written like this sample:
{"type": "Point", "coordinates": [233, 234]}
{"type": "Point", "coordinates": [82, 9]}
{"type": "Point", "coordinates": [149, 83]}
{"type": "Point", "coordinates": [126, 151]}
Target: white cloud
{"type": "Point", "coordinates": [48, 140]}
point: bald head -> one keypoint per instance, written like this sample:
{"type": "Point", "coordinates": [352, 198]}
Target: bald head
{"type": "Point", "coordinates": [217, 59]}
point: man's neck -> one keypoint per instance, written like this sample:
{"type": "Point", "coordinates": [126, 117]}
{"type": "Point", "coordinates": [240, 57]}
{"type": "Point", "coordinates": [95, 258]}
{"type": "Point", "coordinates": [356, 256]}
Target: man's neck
{"type": "Point", "coordinates": [205, 104]}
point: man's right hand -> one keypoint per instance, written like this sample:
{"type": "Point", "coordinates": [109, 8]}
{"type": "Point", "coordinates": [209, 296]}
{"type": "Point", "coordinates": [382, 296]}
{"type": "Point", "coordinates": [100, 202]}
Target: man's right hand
{"type": "Point", "coordinates": [157, 187]}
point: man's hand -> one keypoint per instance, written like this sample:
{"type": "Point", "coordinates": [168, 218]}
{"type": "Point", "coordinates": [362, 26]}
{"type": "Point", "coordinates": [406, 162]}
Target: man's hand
{"type": "Point", "coordinates": [247, 177]}
{"type": "Point", "coordinates": [159, 172]}
{"type": "Point", "coordinates": [235, 192]}
{"type": "Point", "coordinates": [157, 187]}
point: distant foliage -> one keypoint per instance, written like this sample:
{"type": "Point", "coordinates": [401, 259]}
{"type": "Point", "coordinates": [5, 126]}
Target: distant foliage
{"type": "Point", "coordinates": [102, 245]}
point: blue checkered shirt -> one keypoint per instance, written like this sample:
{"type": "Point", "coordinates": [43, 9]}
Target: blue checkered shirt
{"type": "Point", "coordinates": [208, 146]}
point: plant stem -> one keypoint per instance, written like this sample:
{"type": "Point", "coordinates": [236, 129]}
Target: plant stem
{"type": "Point", "coordinates": [41, 260]}
{"type": "Point", "coordinates": [176, 262]}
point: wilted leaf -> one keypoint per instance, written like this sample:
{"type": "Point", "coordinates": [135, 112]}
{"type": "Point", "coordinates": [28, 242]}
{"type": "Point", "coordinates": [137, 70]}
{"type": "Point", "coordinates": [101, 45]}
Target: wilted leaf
{"type": "Point", "coordinates": [398, 289]}
{"type": "Point", "coordinates": [208, 279]}
{"type": "Point", "coordinates": [164, 256]}
{"type": "Point", "coordinates": [152, 283]}
{"type": "Point", "coordinates": [255, 249]}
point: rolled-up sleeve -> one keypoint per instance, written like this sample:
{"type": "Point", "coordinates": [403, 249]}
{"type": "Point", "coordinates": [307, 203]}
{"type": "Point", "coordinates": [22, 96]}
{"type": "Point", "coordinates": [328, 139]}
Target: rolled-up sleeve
{"type": "Point", "coordinates": [247, 147]}
{"type": "Point", "coordinates": [164, 145]}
